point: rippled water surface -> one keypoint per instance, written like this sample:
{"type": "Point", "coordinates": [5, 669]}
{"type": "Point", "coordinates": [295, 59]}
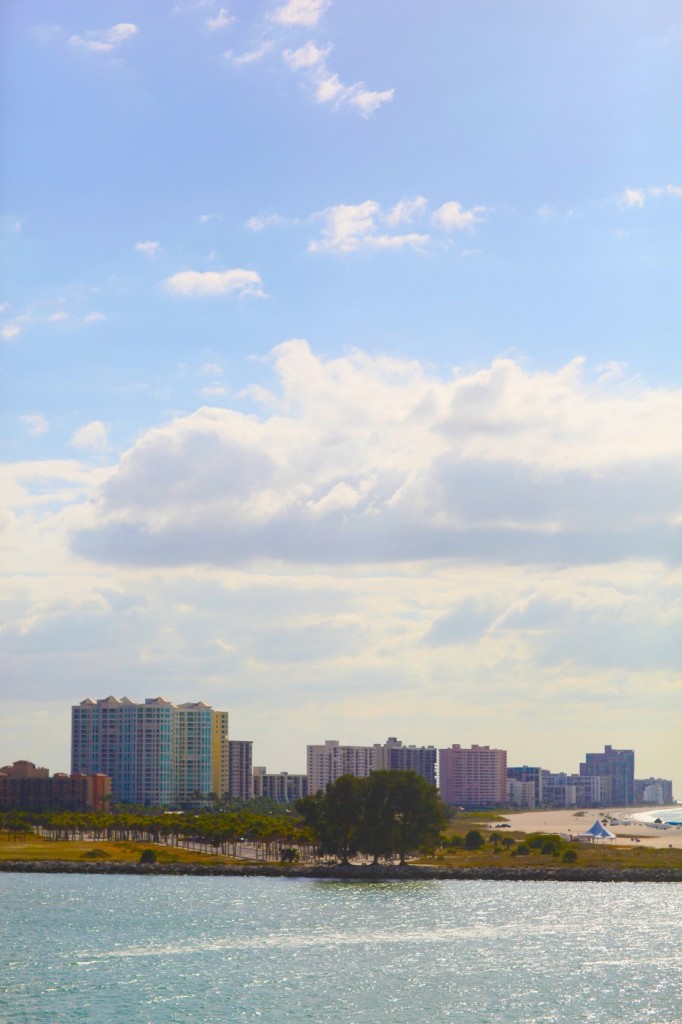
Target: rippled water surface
{"type": "Point", "coordinates": [137, 950]}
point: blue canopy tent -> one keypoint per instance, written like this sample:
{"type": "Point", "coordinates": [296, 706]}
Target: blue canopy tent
{"type": "Point", "coordinates": [597, 831]}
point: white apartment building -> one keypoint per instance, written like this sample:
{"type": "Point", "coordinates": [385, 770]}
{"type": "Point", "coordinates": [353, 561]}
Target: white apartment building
{"type": "Point", "coordinates": [328, 761]}
{"type": "Point", "coordinates": [520, 794]}
{"type": "Point", "coordinates": [282, 787]}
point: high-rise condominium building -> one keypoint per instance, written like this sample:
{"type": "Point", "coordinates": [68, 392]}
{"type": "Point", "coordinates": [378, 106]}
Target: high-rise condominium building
{"type": "Point", "coordinates": [240, 762]}
{"type": "Point", "coordinates": [394, 756]}
{"type": "Point", "coordinates": [473, 776]}
{"type": "Point", "coordinates": [619, 766]}
{"type": "Point", "coordinates": [156, 753]}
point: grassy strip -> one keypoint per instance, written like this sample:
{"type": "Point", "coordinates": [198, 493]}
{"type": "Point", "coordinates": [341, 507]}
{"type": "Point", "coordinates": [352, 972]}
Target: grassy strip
{"type": "Point", "coordinates": [36, 848]}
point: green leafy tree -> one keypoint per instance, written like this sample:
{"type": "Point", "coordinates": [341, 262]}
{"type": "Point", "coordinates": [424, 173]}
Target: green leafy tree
{"type": "Point", "coordinates": [377, 831]}
{"type": "Point", "coordinates": [418, 810]}
{"type": "Point", "coordinates": [334, 817]}
{"type": "Point", "coordinates": [342, 817]}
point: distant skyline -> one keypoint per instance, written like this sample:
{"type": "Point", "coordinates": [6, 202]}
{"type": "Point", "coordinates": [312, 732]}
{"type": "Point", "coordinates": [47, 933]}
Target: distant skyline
{"type": "Point", "coordinates": [340, 371]}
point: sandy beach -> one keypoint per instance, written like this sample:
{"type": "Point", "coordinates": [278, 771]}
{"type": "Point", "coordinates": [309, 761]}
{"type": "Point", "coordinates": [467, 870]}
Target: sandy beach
{"type": "Point", "coordinates": [565, 821]}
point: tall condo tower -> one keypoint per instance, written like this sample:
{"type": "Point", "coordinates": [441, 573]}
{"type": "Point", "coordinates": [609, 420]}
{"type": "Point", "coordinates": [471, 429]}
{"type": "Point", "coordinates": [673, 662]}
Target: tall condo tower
{"type": "Point", "coordinates": [156, 753]}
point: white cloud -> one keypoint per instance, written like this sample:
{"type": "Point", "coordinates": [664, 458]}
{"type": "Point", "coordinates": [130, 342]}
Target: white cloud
{"type": "Point", "coordinates": [267, 220]}
{"type": "Point", "coordinates": [666, 190]}
{"type": "Point", "coordinates": [91, 435]}
{"type": "Point", "coordinates": [365, 100]}
{"type": "Point", "coordinates": [94, 317]}
{"type": "Point", "coordinates": [211, 369]}
{"type": "Point", "coordinates": [328, 87]}
{"type": "Point", "coordinates": [214, 390]}
{"type": "Point", "coordinates": [249, 56]}
{"type": "Point", "coordinates": [636, 197]}
{"type": "Point", "coordinates": [8, 332]}
{"type": "Point", "coordinates": [35, 424]}
{"type": "Point", "coordinates": [222, 19]}
{"type": "Point", "coordinates": [148, 248]}
{"type": "Point", "coordinates": [611, 371]}
{"type": "Point", "coordinates": [206, 217]}
{"type": "Point", "coordinates": [405, 211]}
{"type": "Point", "coordinates": [59, 317]}
{"type": "Point", "coordinates": [452, 216]}
{"type": "Point", "coordinates": [213, 282]}
{"type": "Point", "coordinates": [633, 197]}
{"type": "Point", "coordinates": [375, 459]}
{"type": "Point", "coordinates": [307, 56]}
{"type": "Point", "coordinates": [465, 253]}
{"type": "Point", "coordinates": [105, 40]}
{"type": "Point", "coordinates": [349, 227]}
{"type": "Point", "coordinates": [305, 13]}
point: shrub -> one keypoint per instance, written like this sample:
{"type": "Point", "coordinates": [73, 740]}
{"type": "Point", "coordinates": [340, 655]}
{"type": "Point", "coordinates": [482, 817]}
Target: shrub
{"type": "Point", "coordinates": [289, 855]}
{"type": "Point", "coordinates": [96, 855]}
{"type": "Point", "coordinates": [473, 840]}
{"type": "Point", "coordinates": [148, 857]}
{"type": "Point", "coordinates": [570, 857]}
{"type": "Point", "coordinates": [522, 850]}
{"type": "Point", "coordinates": [549, 848]}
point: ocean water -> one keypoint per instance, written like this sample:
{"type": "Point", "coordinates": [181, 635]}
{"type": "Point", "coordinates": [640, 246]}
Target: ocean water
{"type": "Point", "coordinates": [669, 815]}
{"type": "Point", "coordinates": [141, 950]}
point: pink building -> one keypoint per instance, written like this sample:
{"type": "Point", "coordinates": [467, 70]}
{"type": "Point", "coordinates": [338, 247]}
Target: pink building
{"type": "Point", "coordinates": [473, 776]}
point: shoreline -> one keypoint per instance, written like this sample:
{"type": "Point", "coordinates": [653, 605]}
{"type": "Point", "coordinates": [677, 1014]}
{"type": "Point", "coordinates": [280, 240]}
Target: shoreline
{"type": "Point", "coordinates": [359, 873]}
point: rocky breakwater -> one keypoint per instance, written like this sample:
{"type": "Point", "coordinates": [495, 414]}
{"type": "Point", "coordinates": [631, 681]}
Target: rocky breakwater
{"type": "Point", "coordinates": [350, 872]}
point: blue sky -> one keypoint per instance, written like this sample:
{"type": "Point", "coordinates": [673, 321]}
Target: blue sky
{"type": "Point", "coordinates": [341, 370]}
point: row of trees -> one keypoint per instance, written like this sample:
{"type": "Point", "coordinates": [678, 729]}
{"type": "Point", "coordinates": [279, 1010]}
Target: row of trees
{"type": "Point", "coordinates": [212, 832]}
{"type": "Point", "coordinates": [390, 813]}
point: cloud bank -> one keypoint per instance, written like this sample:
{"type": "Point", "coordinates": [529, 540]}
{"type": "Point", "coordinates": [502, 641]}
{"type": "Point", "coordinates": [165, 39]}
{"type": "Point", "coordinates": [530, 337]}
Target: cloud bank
{"type": "Point", "coordinates": [373, 459]}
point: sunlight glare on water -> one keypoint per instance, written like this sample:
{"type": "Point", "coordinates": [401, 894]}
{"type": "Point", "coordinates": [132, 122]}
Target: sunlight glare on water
{"type": "Point", "coordinates": [114, 950]}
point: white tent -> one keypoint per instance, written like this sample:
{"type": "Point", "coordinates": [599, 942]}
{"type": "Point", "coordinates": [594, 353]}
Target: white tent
{"type": "Point", "coordinates": [597, 831]}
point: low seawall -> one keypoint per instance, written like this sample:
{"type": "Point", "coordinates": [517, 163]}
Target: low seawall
{"type": "Point", "coordinates": [356, 873]}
